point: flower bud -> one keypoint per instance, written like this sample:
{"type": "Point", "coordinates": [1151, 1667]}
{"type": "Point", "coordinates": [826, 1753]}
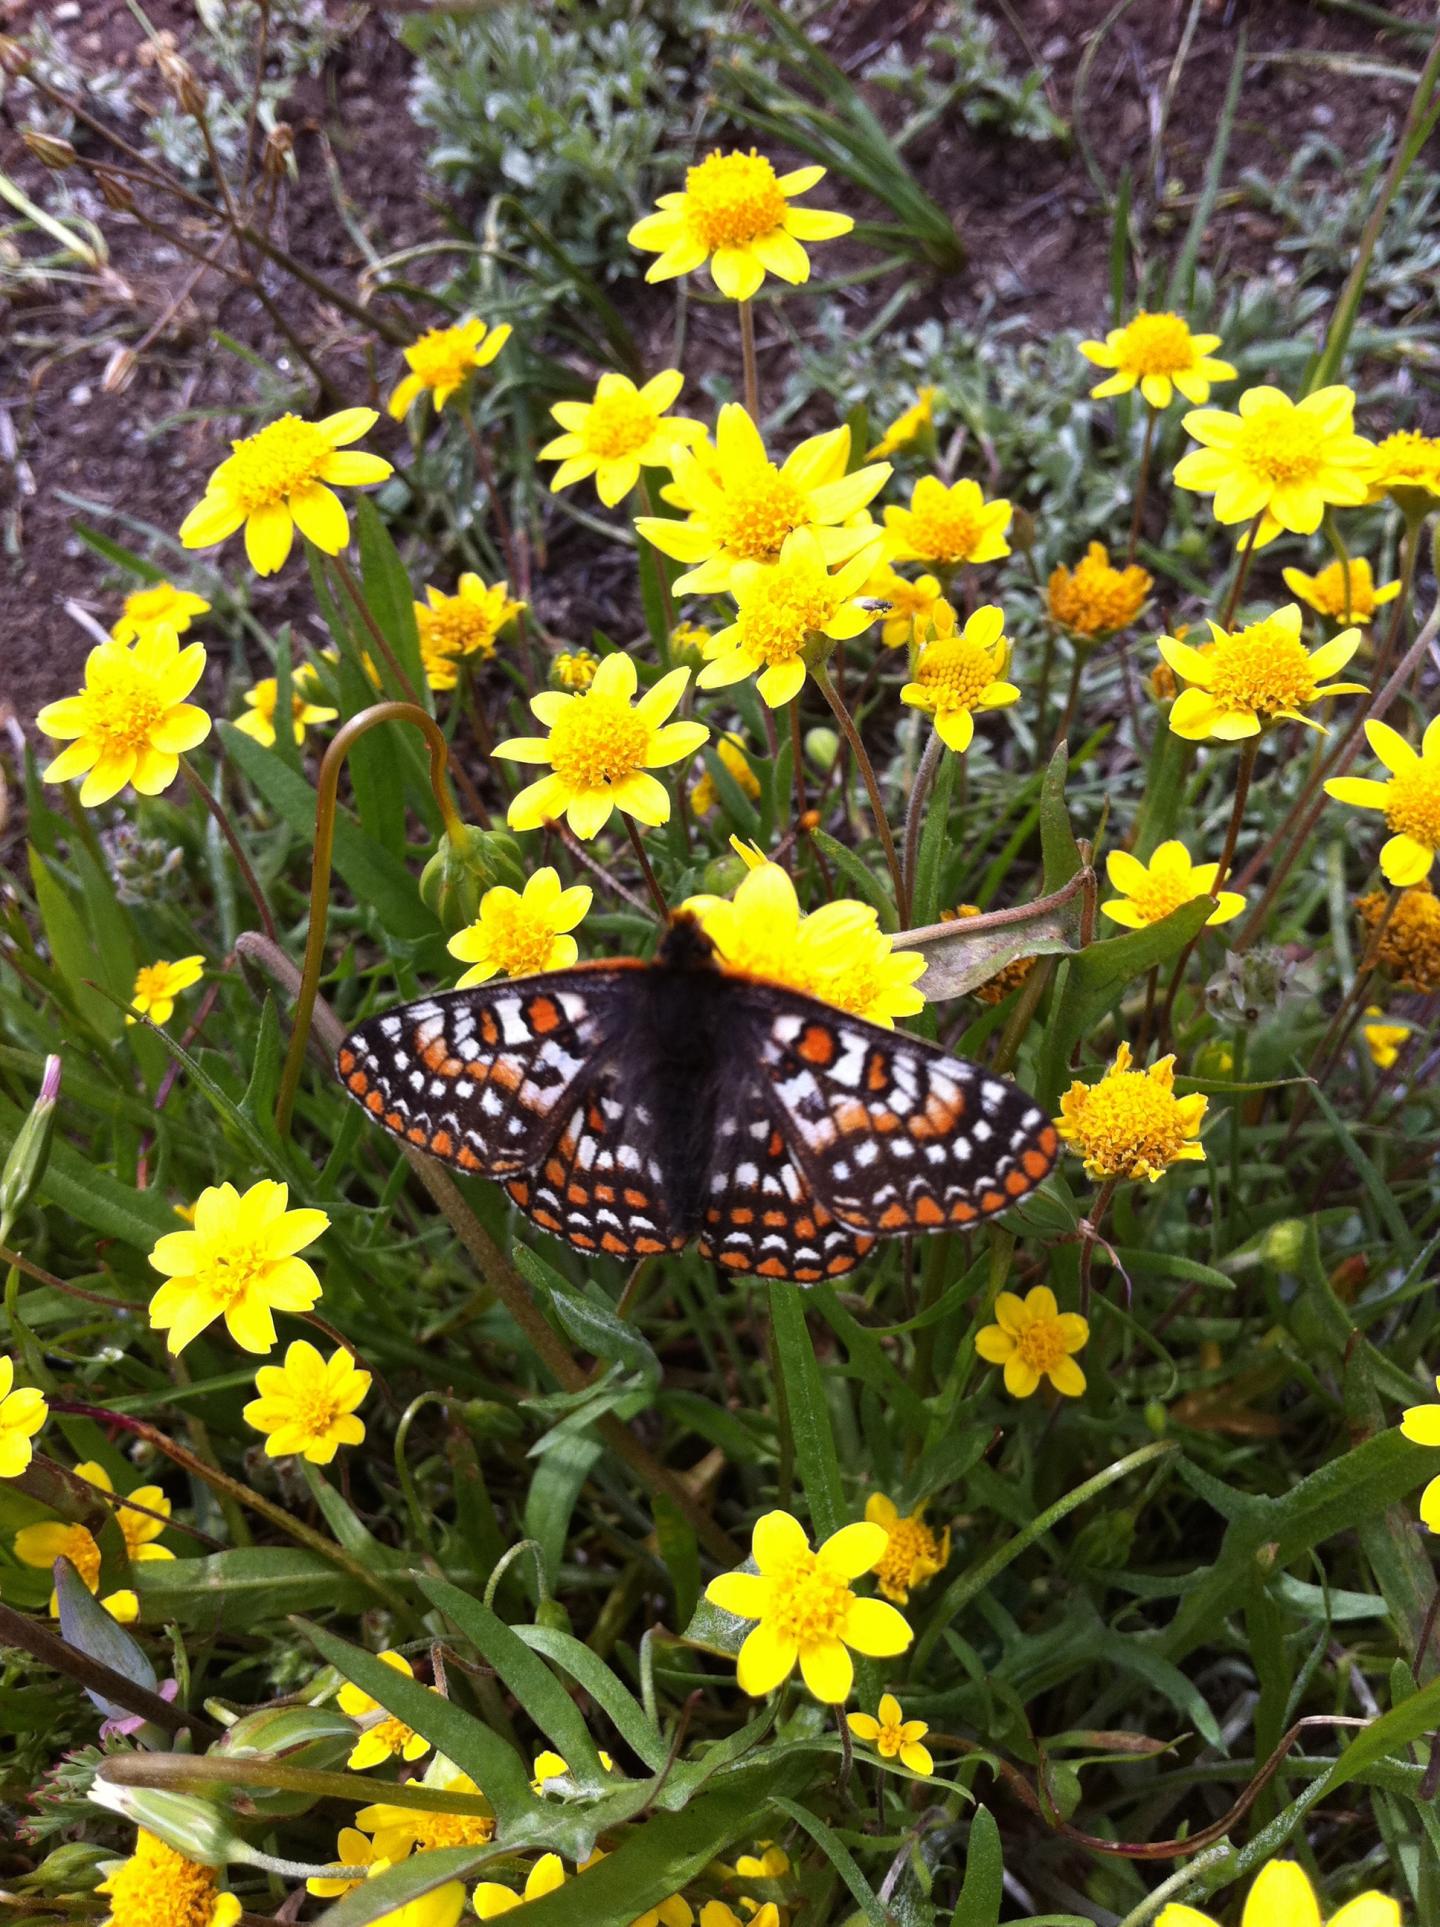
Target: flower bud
{"type": "Point", "coordinates": [48, 150]}
{"type": "Point", "coordinates": [458, 875]}
{"type": "Point", "coordinates": [573, 670]}
{"type": "Point", "coordinates": [278, 154]}
{"type": "Point", "coordinates": [724, 875]}
{"type": "Point", "coordinates": [1284, 1245]}
{"type": "Point", "coordinates": [317, 1737]}
{"type": "Point", "coordinates": [687, 645]}
{"type": "Point", "coordinates": [822, 746]}
{"type": "Point", "coordinates": [14, 60]}
{"type": "Point", "coordinates": [30, 1152]}
{"type": "Point", "coordinates": [197, 1828]}
{"type": "Point", "coordinates": [552, 1616]}
{"type": "Point", "coordinates": [114, 191]}
{"type": "Point", "coordinates": [1157, 1419]}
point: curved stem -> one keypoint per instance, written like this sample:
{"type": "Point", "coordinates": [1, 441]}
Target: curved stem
{"type": "Point", "coordinates": [872, 787]}
{"type": "Point", "coordinates": [227, 830]}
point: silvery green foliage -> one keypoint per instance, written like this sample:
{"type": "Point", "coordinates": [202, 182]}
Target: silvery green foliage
{"type": "Point", "coordinates": [965, 70]}
{"type": "Point", "coordinates": [1249, 988]}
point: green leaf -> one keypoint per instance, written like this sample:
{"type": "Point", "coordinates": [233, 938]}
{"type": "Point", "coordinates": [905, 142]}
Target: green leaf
{"type": "Point", "coordinates": [385, 1893]}
{"type": "Point", "coordinates": [796, 1367]}
{"type": "Point", "coordinates": [73, 949]}
{"type": "Point", "coordinates": [241, 1588]}
{"type": "Point", "coordinates": [390, 598]}
{"type": "Point", "coordinates": [854, 869]}
{"type": "Point", "coordinates": [91, 1196]}
{"type": "Point", "coordinates": [595, 1678]}
{"type": "Point", "coordinates": [1059, 850]}
{"type": "Point", "coordinates": [85, 1625]}
{"type": "Point", "coordinates": [840, 1858]}
{"type": "Point", "coordinates": [980, 1897]}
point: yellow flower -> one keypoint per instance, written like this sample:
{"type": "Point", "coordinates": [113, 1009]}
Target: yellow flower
{"type": "Point", "coordinates": [521, 932]}
{"type": "Point", "coordinates": [956, 674]}
{"type": "Point", "coordinates": [1261, 674]}
{"type": "Point", "coordinates": [1331, 594]}
{"type": "Point", "coordinates": [157, 986]}
{"type": "Point", "coordinates": [1159, 353]}
{"type": "Point", "coordinates": [1283, 1897]}
{"type": "Point", "coordinates": [1095, 599]}
{"type": "Point", "coordinates": [130, 722]}
{"type": "Point", "coordinates": [600, 748]}
{"type": "Point", "coordinates": [41, 1545]}
{"type": "Point", "coordinates": [742, 507]}
{"type": "Point", "coordinates": [914, 1552]}
{"type": "Point", "coordinates": [276, 481]}
{"type": "Point", "coordinates": [400, 1830]}
{"type": "Point", "coordinates": [573, 669]}
{"type": "Point", "coordinates": [1383, 1041]}
{"type": "Point", "coordinates": [947, 526]}
{"type": "Point", "coordinates": [715, 1913]}
{"type": "Point", "coordinates": [238, 1263]}
{"type": "Point", "coordinates": [676, 1911]}
{"type": "Point", "coordinates": [548, 1766]}
{"type": "Point", "coordinates": [384, 1736]}
{"type": "Point", "coordinates": [730, 749]}
{"type": "Point", "coordinates": [491, 1900]}
{"type": "Point", "coordinates": [771, 1863]}
{"type": "Point", "coordinates": [1282, 460]}
{"type": "Point", "coordinates": [622, 430]}
{"type": "Point", "coordinates": [1008, 977]}
{"type": "Point", "coordinates": [1149, 894]}
{"type": "Point", "coordinates": [307, 1405]}
{"type": "Point", "coordinates": [919, 416]}
{"type": "Point", "coordinates": [1034, 1339]}
{"type": "Point", "coordinates": [158, 1887]}
{"type": "Point", "coordinates": [464, 624]}
{"type": "Point", "coordinates": [22, 1413]}
{"type": "Point", "coordinates": [893, 1736]}
{"type": "Point", "coordinates": [161, 606]}
{"type": "Point", "coordinates": [352, 1849]}
{"type": "Point", "coordinates": [262, 700]}
{"type": "Point", "coordinates": [735, 212]}
{"type": "Point", "coordinates": [1131, 1124]}
{"type": "Point", "coordinates": [806, 1608]}
{"type": "Point", "coordinates": [440, 362]}
{"type": "Point", "coordinates": [1409, 946]}
{"type": "Point", "coordinates": [1410, 800]}
{"type": "Point", "coordinates": [913, 605]}
{"type": "Point", "coordinates": [1406, 465]}
{"type": "Point", "coordinates": [781, 609]}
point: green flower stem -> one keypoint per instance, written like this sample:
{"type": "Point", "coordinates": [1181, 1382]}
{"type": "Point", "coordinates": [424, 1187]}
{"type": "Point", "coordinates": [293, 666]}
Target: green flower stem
{"type": "Point", "coordinates": [1222, 871]}
{"type": "Point", "coordinates": [872, 787]}
{"type": "Point", "coordinates": [1415, 521]}
{"type": "Point", "coordinates": [178, 1773]}
{"type": "Point", "coordinates": [797, 759]}
{"type": "Point", "coordinates": [242, 862]}
{"type": "Point", "coordinates": [1342, 556]}
{"type": "Point", "coordinates": [1242, 570]}
{"type": "Point", "coordinates": [662, 574]}
{"type": "Point", "coordinates": [915, 810]}
{"type": "Point", "coordinates": [1142, 484]}
{"type": "Point", "coordinates": [637, 843]}
{"type": "Point", "coordinates": [750, 360]}
{"type": "Point", "coordinates": [1090, 1237]}
{"type": "Point", "coordinates": [1072, 696]}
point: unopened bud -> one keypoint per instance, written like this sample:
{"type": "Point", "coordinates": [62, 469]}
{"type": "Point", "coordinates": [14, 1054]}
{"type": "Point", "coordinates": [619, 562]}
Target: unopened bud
{"type": "Point", "coordinates": [1022, 530]}
{"type": "Point", "coordinates": [1284, 1245]}
{"type": "Point", "coordinates": [458, 875]}
{"type": "Point", "coordinates": [552, 1616]}
{"type": "Point", "coordinates": [30, 1152]}
{"type": "Point", "coordinates": [687, 645]}
{"type": "Point", "coordinates": [316, 1737]}
{"type": "Point", "coordinates": [114, 191]}
{"type": "Point", "coordinates": [48, 149]}
{"type": "Point", "coordinates": [822, 746]}
{"type": "Point", "coordinates": [14, 60]}
{"type": "Point", "coordinates": [197, 1828]}
{"type": "Point", "coordinates": [724, 875]}
{"type": "Point", "coordinates": [189, 92]}
{"type": "Point", "coordinates": [1157, 1419]}
{"type": "Point", "coordinates": [278, 153]}
{"type": "Point", "coordinates": [119, 371]}
{"type": "Point", "coordinates": [574, 669]}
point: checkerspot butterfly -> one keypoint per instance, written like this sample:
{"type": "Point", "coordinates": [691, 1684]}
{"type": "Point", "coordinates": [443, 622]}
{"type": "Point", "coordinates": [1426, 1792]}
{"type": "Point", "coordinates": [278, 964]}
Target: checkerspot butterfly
{"type": "Point", "coordinates": [630, 1107]}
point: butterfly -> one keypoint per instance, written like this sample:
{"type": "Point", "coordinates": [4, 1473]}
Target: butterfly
{"type": "Point", "coordinates": [630, 1107]}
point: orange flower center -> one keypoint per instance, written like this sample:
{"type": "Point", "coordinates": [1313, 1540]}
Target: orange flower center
{"type": "Point", "coordinates": [226, 1276]}
{"type": "Point", "coordinates": [268, 468]}
{"type": "Point", "coordinates": [1041, 1345]}
{"type": "Point", "coordinates": [597, 740]}
{"type": "Point", "coordinates": [450, 1829]}
{"type": "Point", "coordinates": [1263, 667]}
{"type": "Point", "coordinates": [1412, 804]}
{"type": "Point", "coordinates": [518, 939]}
{"type": "Point", "coordinates": [888, 1741]}
{"type": "Point", "coordinates": [955, 673]}
{"type": "Point", "coordinates": [762, 506]}
{"type": "Point", "coordinates": [1094, 598]}
{"type": "Point", "coordinates": [457, 627]}
{"type": "Point", "coordinates": [1282, 444]}
{"type": "Point", "coordinates": [619, 423]}
{"type": "Point", "coordinates": [732, 200]}
{"type": "Point", "coordinates": [809, 1602]}
{"type": "Point", "coordinates": [911, 1551]}
{"type": "Point", "coordinates": [1156, 344]}
{"type": "Point", "coordinates": [81, 1549]}
{"type": "Point", "coordinates": [944, 531]}
{"type": "Point", "coordinates": [1327, 591]}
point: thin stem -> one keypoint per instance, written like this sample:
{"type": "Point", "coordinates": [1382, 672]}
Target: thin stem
{"type": "Point", "coordinates": [872, 787]}
{"type": "Point", "coordinates": [1142, 484]}
{"type": "Point", "coordinates": [1242, 569]}
{"type": "Point", "coordinates": [518, 575]}
{"type": "Point", "coordinates": [748, 356]}
{"type": "Point", "coordinates": [915, 811]}
{"type": "Point", "coordinates": [1090, 1237]}
{"type": "Point", "coordinates": [596, 868]}
{"type": "Point", "coordinates": [227, 830]}
{"type": "Point", "coordinates": [1072, 697]}
{"type": "Point", "coordinates": [1222, 870]}
{"type": "Point", "coordinates": [657, 895]}
{"type": "Point", "coordinates": [647, 497]}
{"type": "Point", "coordinates": [797, 759]}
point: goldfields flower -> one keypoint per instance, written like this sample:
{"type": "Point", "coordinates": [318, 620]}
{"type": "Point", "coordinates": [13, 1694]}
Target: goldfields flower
{"type": "Point", "coordinates": [1033, 1339]}
{"type": "Point", "coordinates": [1409, 945]}
{"type": "Point", "coordinates": [1148, 893]}
{"type": "Point", "coordinates": [276, 481]}
{"type": "Point", "coordinates": [1283, 1897]}
{"type": "Point", "coordinates": [307, 1405]}
{"type": "Point", "coordinates": [620, 431]}
{"type": "Point", "coordinates": [735, 212]}
{"type": "Point", "coordinates": [1008, 977]}
{"type": "Point", "coordinates": [1330, 594]}
{"type": "Point", "coordinates": [384, 1737]}
{"type": "Point", "coordinates": [600, 748]}
{"type": "Point", "coordinates": [491, 1899]}
{"type": "Point", "coordinates": [1284, 461]}
{"type": "Point", "coordinates": [1244, 680]}
{"type": "Point", "coordinates": [441, 1907]}
{"type": "Point", "coordinates": [399, 1831]}
{"type": "Point", "coordinates": [730, 749]}
{"type": "Point", "coordinates": [352, 1849]}
{"type": "Point", "coordinates": [161, 606]}
{"type": "Point", "coordinates": [1406, 465]}
{"type": "Point", "coordinates": [782, 608]}
{"type": "Point", "coordinates": [547, 1767]}
{"type": "Point", "coordinates": [912, 605]}
{"type": "Point", "coordinates": [1157, 353]}
{"type": "Point", "coordinates": [238, 1264]}
{"type": "Point", "coordinates": [946, 526]}
{"type": "Point", "coordinates": [41, 1545]}
{"type": "Point", "coordinates": [263, 700]}
{"type": "Point", "coordinates": [914, 1552]}
{"type": "Point", "coordinates": [130, 723]}
{"type": "Point", "coordinates": [22, 1413]}
{"type": "Point", "coordinates": [957, 673]}
{"type": "Point", "coordinates": [157, 986]}
{"type": "Point", "coordinates": [1410, 799]}
{"type": "Point", "coordinates": [892, 1735]}
{"type": "Point", "coordinates": [467, 623]}
{"type": "Point", "coordinates": [440, 362]}
{"type": "Point", "coordinates": [771, 1863]}
{"type": "Point", "coordinates": [1131, 1124]}
{"type": "Point", "coordinates": [522, 931]}
{"type": "Point", "coordinates": [905, 428]}
{"type": "Point", "coordinates": [1383, 1041]}
{"type": "Point", "coordinates": [742, 507]}
{"type": "Point", "coordinates": [158, 1887]}
{"type": "Point", "coordinates": [573, 669]}
{"type": "Point", "coordinates": [1096, 599]}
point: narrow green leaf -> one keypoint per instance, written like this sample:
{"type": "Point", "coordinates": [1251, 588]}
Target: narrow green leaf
{"type": "Point", "coordinates": [984, 1888]}
{"type": "Point", "coordinates": [809, 1415]}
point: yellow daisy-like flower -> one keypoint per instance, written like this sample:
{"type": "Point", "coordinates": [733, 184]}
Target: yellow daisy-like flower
{"type": "Point", "coordinates": [600, 748]}
{"type": "Point", "coordinates": [522, 931]}
{"type": "Point", "coordinates": [893, 1736]}
{"type": "Point", "coordinates": [1131, 1124]}
{"type": "Point", "coordinates": [307, 1405]}
{"type": "Point", "coordinates": [1033, 1339]}
{"type": "Point", "coordinates": [782, 609]}
{"type": "Point", "coordinates": [238, 1264]}
{"type": "Point", "coordinates": [1094, 598]}
{"type": "Point", "coordinates": [22, 1413]}
{"type": "Point", "coordinates": [948, 526]}
{"type": "Point", "coordinates": [440, 362]}
{"type": "Point", "coordinates": [1157, 353]}
{"type": "Point", "coordinates": [914, 1552]}
{"type": "Point", "coordinates": [573, 669]}
{"type": "Point", "coordinates": [491, 1899]}
{"type": "Point", "coordinates": [735, 213]}
{"type": "Point", "coordinates": [907, 426]}
{"type": "Point", "coordinates": [41, 1545]}
{"type": "Point", "coordinates": [1244, 681]}
{"type": "Point", "coordinates": [157, 986]}
{"type": "Point", "coordinates": [731, 751]}
{"type": "Point", "coordinates": [771, 1863]}
{"type": "Point", "coordinates": [130, 722]}
{"type": "Point", "coordinates": [1406, 465]}
{"type": "Point", "coordinates": [1410, 800]}
{"type": "Point", "coordinates": [279, 480]}
{"type": "Point", "coordinates": [1282, 1896]}
{"type": "Point", "coordinates": [161, 606]}
{"type": "Point", "coordinates": [1409, 945]}
{"type": "Point", "coordinates": [1383, 1041]}
{"type": "Point", "coordinates": [806, 1608]}
{"type": "Point", "coordinates": [742, 508]}
{"type": "Point", "coordinates": [622, 430]}
{"type": "Point", "coordinates": [1149, 893]}
{"type": "Point", "coordinates": [263, 700]}
{"type": "Point", "coordinates": [384, 1737]}
{"type": "Point", "coordinates": [467, 623]}
{"type": "Point", "coordinates": [158, 1887]}
{"type": "Point", "coordinates": [912, 605]}
{"type": "Point", "coordinates": [1347, 597]}
{"type": "Point", "coordinates": [956, 674]}
{"type": "Point", "coordinates": [1282, 460]}
{"type": "Point", "coordinates": [399, 1831]}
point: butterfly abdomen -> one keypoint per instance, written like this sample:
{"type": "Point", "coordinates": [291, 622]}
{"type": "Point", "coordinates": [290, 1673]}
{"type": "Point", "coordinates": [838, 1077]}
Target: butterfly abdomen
{"type": "Point", "coordinates": [674, 1053]}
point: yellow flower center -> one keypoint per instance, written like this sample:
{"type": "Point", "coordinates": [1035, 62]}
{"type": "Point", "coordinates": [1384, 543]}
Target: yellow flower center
{"type": "Point", "coordinates": [1327, 591]}
{"type": "Point", "coordinates": [287, 455]}
{"type": "Point", "coordinates": [944, 531]}
{"type": "Point", "coordinates": [1263, 667]}
{"type": "Point", "coordinates": [1282, 444]}
{"type": "Point", "coordinates": [158, 1887]}
{"type": "Point", "coordinates": [226, 1276]}
{"type": "Point", "coordinates": [762, 506]}
{"type": "Point", "coordinates": [394, 1735]}
{"type": "Point", "coordinates": [1156, 344]}
{"type": "Point", "coordinates": [315, 1410]}
{"type": "Point", "coordinates": [122, 704]}
{"type": "Point", "coordinates": [791, 603]}
{"type": "Point", "coordinates": [152, 980]}
{"type": "Point", "coordinates": [732, 199]}
{"type": "Point", "coordinates": [458, 627]}
{"type": "Point", "coordinates": [955, 673]}
{"type": "Point", "coordinates": [1041, 1345]}
{"type": "Point", "coordinates": [809, 1602]}
{"type": "Point", "coordinates": [450, 1829]}
{"type": "Point", "coordinates": [1093, 598]}
{"type": "Point", "coordinates": [619, 423]}
{"type": "Point", "coordinates": [597, 740]}
{"type": "Point", "coordinates": [519, 940]}
{"type": "Point", "coordinates": [1412, 804]}
{"type": "Point", "coordinates": [1157, 896]}
{"type": "Point", "coordinates": [441, 358]}
{"type": "Point", "coordinates": [913, 1549]}
{"type": "Point", "coordinates": [888, 1741]}
{"type": "Point", "coordinates": [574, 669]}
{"type": "Point", "coordinates": [81, 1549]}
{"type": "Point", "coordinates": [1408, 459]}
{"type": "Point", "coordinates": [1410, 942]}
{"type": "Point", "coordinates": [1128, 1125]}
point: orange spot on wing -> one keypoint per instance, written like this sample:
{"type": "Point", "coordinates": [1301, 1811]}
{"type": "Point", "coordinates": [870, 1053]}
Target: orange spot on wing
{"type": "Point", "coordinates": [375, 1102]}
{"type": "Point", "coordinates": [415, 1134]}
{"type": "Point", "coordinates": [963, 1212]}
{"type": "Point", "coordinates": [927, 1211]}
{"type": "Point", "coordinates": [605, 1194]}
{"type": "Point", "coordinates": [545, 1219]}
{"type": "Point", "coordinates": [543, 1015]}
{"type": "Point", "coordinates": [852, 1117]}
{"type": "Point", "coordinates": [500, 1071]}
{"type": "Point", "coordinates": [489, 1028]}
{"type": "Point", "coordinates": [772, 1268]}
{"type": "Point", "coordinates": [637, 1200]}
{"type": "Point", "coordinates": [1049, 1141]}
{"type": "Point", "coordinates": [555, 1171]}
{"type": "Point", "coordinates": [359, 1083]}
{"type": "Point", "coordinates": [807, 1274]}
{"type": "Point", "coordinates": [609, 1242]}
{"type": "Point", "coordinates": [1016, 1183]}
{"type": "Point", "coordinates": [877, 1072]}
{"type": "Point", "coordinates": [742, 1214]}
{"type": "Point", "coordinates": [519, 1190]}
{"type": "Point", "coordinates": [647, 1247]}
{"type": "Point", "coordinates": [346, 1062]}
{"type": "Point", "coordinates": [805, 1227]}
{"type": "Point", "coordinates": [994, 1201]}
{"type": "Point", "coordinates": [467, 1159]}
{"type": "Point", "coordinates": [395, 1121]}
{"type": "Point", "coordinates": [577, 1194]}
{"type": "Point", "coordinates": [581, 1238]}
{"type": "Point", "coordinates": [894, 1217]}
{"type": "Point", "coordinates": [775, 1219]}
{"type": "Point", "coordinates": [775, 1148]}
{"type": "Point", "coordinates": [1036, 1164]}
{"type": "Point", "coordinates": [838, 1265]}
{"type": "Point", "coordinates": [817, 1045]}
{"type": "Point", "coordinates": [442, 1144]}
{"type": "Point", "coordinates": [735, 1260]}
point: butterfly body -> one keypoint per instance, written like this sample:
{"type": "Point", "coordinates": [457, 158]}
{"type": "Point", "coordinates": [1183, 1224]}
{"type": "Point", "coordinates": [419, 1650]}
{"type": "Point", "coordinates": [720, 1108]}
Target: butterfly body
{"type": "Point", "coordinates": [631, 1107]}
